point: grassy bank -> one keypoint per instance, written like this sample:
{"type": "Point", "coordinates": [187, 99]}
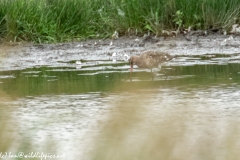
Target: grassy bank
{"type": "Point", "coordinates": [47, 21]}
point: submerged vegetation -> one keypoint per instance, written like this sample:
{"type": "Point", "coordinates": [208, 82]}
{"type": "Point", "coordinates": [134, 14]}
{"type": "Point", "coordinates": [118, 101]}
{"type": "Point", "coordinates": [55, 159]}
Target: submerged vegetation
{"type": "Point", "coordinates": [47, 21]}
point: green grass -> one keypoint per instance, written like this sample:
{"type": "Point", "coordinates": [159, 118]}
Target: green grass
{"type": "Point", "coordinates": [48, 21]}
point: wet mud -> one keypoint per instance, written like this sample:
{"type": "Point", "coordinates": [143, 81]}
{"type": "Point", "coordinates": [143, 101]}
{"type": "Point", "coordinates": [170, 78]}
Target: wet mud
{"type": "Point", "coordinates": [214, 48]}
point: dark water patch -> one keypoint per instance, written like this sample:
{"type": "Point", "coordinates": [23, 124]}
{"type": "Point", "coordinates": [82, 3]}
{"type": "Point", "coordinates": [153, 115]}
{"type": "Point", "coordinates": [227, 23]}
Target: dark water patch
{"type": "Point", "coordinates": [107, 77]}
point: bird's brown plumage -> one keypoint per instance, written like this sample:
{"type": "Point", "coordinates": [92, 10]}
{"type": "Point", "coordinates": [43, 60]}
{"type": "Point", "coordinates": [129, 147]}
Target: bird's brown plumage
{"type": "Point", "coordinates": [149, 59]}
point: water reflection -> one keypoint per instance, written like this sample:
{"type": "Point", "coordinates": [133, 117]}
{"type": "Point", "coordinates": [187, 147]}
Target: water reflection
{"type": "Point", "coordinates": [88, 111]}
{"type": "Point", "coordinates": [45, 80]}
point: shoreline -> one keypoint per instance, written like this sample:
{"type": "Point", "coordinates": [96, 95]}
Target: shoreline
{"type": "Point", "coordinates": [26, 55]}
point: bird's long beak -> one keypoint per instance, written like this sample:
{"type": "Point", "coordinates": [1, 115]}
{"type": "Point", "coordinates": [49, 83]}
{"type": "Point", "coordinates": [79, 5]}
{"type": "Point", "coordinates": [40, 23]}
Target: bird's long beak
{"type": "Point", "coordinates": [131, 69]}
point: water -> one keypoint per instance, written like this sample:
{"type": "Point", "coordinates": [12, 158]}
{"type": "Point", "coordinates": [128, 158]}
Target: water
{"type": "Point", "coordinates": [79, 107]}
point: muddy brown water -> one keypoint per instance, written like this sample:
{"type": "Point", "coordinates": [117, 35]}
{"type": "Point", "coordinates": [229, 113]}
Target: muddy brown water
{"type": "Point", "coordinates": [64, 97]}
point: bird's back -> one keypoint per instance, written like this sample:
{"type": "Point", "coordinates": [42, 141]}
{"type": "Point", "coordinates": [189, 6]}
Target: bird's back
{"type": "Point", "coordinates": [153, 59]}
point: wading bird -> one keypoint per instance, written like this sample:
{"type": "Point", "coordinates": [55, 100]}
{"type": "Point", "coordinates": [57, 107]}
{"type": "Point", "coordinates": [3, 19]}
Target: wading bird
{"type": "Point", "coordinates": [149, 59]}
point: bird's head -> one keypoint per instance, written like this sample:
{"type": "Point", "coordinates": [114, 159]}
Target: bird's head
{"type": "Point", "coordinates": [130, 60]}
{"type": "Point", "coordinates": [133, 60]}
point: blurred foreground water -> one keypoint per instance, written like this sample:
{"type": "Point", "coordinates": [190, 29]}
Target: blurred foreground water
{"type": "Point", "coordinates": [95, 112]}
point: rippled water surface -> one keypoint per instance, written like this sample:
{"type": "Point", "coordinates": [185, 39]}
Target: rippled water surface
{"type": "Point", "coordinates": [70, 107]}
